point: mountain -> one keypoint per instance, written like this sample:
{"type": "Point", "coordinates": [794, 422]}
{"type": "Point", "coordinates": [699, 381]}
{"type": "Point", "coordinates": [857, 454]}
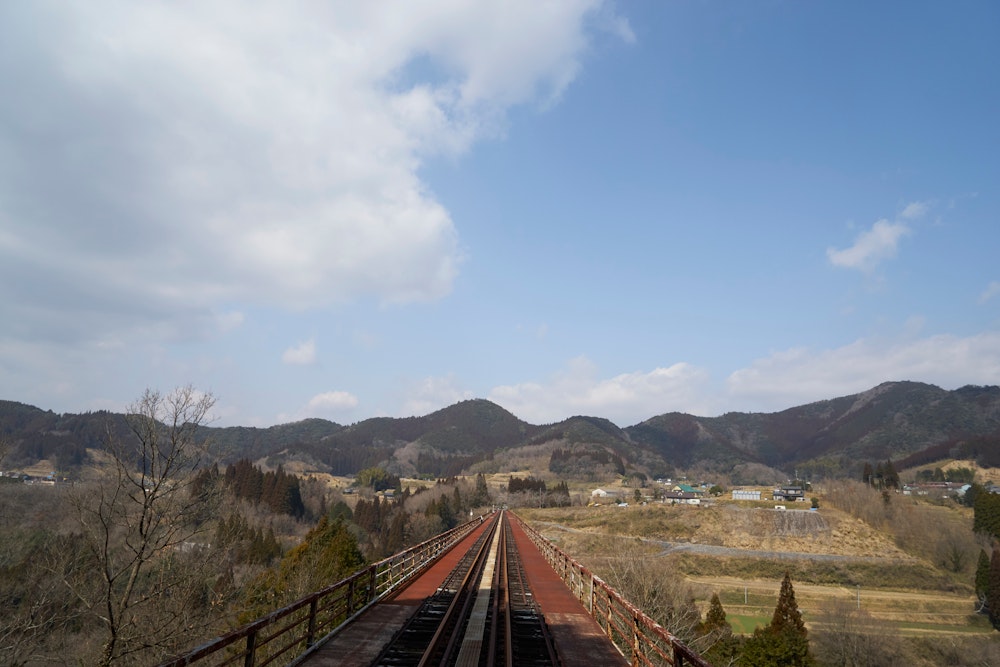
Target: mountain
{"type": "Point", "coordinates": [907, 422]}
{"type": "Point", "coordinates": [895, 420]}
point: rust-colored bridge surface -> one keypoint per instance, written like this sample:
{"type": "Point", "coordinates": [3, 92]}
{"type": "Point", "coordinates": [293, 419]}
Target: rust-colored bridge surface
{"type": "Point", "coordinates": [489, 592]}
{"type": "Point", "coordinates": [577, 638]}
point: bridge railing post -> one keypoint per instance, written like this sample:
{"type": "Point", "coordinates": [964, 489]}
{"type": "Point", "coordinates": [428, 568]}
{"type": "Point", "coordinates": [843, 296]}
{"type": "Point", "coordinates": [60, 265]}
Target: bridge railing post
{"type": "Point", "coordinates": [311, 627]}
{"type": "Point", "coordinates": [636, 645]}
{"type": "Point", "coordinates": [249, 659]}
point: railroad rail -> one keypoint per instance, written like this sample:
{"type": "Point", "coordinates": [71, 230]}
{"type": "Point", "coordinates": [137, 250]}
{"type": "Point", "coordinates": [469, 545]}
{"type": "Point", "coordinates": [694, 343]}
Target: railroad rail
{"type": "Point", "coordinates": [478, 616]}
{"type": "Point", "coordinates": [481, 611]}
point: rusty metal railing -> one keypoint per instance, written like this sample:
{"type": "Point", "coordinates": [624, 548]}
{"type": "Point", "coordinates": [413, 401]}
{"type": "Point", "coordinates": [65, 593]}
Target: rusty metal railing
{"type": "Point", "coordinates": [643, 641]}
{"type": "Point", "coordinates": [285, 636]}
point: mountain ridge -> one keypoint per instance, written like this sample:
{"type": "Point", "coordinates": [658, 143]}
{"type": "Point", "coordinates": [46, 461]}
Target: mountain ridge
{"type": "Point", "coordinates": [894, 420]}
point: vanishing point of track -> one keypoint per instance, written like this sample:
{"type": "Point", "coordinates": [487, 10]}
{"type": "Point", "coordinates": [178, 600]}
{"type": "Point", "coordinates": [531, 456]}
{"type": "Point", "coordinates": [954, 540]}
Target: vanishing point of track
{"type": "Point", "coordinates": [483, 614]}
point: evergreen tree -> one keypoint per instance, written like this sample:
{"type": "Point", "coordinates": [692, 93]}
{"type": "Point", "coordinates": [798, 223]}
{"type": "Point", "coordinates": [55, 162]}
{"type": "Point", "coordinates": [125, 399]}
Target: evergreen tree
{"type": "Point", "coordinates": [482, 494]}
{"type": "Point", "coordinates": [982, 579]}
{"type": "Point", "coordinates": [993, 592]}
{"type": "Point", "coordinates": [969, 498]}
{"type": "Point", "coordinates": [890, 475]}
{"type": "Point", "coordinates": [867, 473]}
{"type": "Point", "coordinates": [395, 539]}
{"type": "Point", "coordinates": [786, 613]}
{"type": "Point", "coordinates": [986, 514]}
{"type": "Point", "coordinates": [327, 554]}
{"type": "Point", "coordinates": [725, 647]}
{"type": "Point", "coordinates": [715, 619]}
{"type": "Point", "coordinates": [446, 512]}
{"type": "Point", "coordinates": [783, 643]}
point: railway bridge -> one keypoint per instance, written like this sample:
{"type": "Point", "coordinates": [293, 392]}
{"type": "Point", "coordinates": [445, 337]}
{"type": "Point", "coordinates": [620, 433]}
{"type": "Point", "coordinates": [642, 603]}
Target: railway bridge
{"type": "Point", "coordinates": [489, 592]}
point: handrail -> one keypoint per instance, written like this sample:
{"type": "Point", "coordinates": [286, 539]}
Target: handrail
{"type": "Point", "coordinates": [641, 639]}
{"type": "Point", "coordinates": [296, 626]}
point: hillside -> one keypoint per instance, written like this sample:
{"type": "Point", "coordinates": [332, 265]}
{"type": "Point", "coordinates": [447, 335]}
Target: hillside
{"type": "Point", "coordinates": [895, 420]}
{"type": "Point", "coordinates": [909, 422]}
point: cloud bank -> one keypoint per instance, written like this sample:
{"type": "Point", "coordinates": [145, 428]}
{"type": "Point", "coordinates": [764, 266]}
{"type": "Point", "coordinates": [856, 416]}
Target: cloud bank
{"type": "Point", "coordinates": [162, 160]}
{"type": "Point", "coordinates": [782, 380]}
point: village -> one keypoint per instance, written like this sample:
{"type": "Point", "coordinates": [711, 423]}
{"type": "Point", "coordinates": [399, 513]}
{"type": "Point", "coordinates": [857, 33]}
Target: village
{"type": "Point", "coordinates": [669, 492]}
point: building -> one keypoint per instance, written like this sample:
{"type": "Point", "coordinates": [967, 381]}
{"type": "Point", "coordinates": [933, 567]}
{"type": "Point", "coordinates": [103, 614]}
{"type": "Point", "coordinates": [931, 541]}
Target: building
{"type": "Point", "coordinates": [746, 494]}
{"type": "Point", "coordinates": [792, 493]}
{"type": "Point", "coordinates": [681, 498]}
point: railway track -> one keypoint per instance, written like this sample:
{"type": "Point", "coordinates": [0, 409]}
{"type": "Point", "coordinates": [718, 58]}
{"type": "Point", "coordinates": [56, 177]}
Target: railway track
{"type": "Point", "coordinates": [483, 614]}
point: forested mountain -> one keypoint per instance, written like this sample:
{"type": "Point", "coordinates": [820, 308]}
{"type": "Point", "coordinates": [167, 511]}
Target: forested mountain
{"type": "Point", "coordinates": [904, 421]}
{"type": "Point", "coordinates": [895, 420]}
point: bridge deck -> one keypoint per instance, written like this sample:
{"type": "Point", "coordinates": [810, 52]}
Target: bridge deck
{"type": "Point", "coordinates": [577, 637]}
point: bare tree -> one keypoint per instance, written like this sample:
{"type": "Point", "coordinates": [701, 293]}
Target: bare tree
{"type": "Point", "coordinates": [650, 585]}
{"type": "Point", "coordinates": [142, 528]}
{"type": "Point", "coordinates": [37, 608]}
{"type": "Point", "coordinates": [849, 637]}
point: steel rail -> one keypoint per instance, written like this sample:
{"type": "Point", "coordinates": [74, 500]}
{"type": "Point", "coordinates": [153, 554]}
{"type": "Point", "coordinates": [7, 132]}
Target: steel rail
{"type": "Point", "coordinates": [521, 607]}
{"type": "Point", "coordinates": [446, 637]}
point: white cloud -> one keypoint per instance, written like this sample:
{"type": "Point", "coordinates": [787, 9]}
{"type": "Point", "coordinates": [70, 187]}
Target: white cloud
{"type": "Point", "coordinates": [871, 247]}
{"type": "Point", "coordinates": [797, 376]}
{"type": "Point", "coordinates": [432, 394]}
{"type": "Point", "coordinates": [168, 158]}
{"type": "Point", "coordinates": [914, 210]}
{"type": "Point", "coordinates": [229, 320]}
{"type": "Point", "coordinates": [303, 354]}
{"type": "Point", "coordinates": [782, 380]}
{"type": "Point", "coordinates": [333, 400]}
{"type": "Point", "coordinates": [624, 399]}
{"type": "Point", "coordinates": [991, 291]}
{"type": "Point", "coordinates": [332, 405]}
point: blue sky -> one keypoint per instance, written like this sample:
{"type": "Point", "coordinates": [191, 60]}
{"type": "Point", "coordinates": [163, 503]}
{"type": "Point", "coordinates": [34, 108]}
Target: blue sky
{"type": "Point", "coordinates": [348, 210]}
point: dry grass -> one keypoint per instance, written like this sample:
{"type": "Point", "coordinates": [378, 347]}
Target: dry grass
{"type": "Point", "coordinates": [894, 585]}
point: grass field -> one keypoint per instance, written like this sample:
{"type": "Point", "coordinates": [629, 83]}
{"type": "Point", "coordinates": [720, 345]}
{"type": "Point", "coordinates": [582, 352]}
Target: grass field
{"type": "Point", "coordinates": [903, 591]}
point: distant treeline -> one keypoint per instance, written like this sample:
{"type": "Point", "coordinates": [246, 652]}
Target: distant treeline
{"type": "Point", "coordinates": [557, 495]}
{"type": "Point", "coordinates": [585, 461]}
{"type": "Point", "coordinates": [275, 489]}
{"type": "Point", "coordinates": [984, 450]}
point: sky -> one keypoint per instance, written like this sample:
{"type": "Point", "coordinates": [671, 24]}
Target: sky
{"type": "Point", "coordinates": [568, 207]}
